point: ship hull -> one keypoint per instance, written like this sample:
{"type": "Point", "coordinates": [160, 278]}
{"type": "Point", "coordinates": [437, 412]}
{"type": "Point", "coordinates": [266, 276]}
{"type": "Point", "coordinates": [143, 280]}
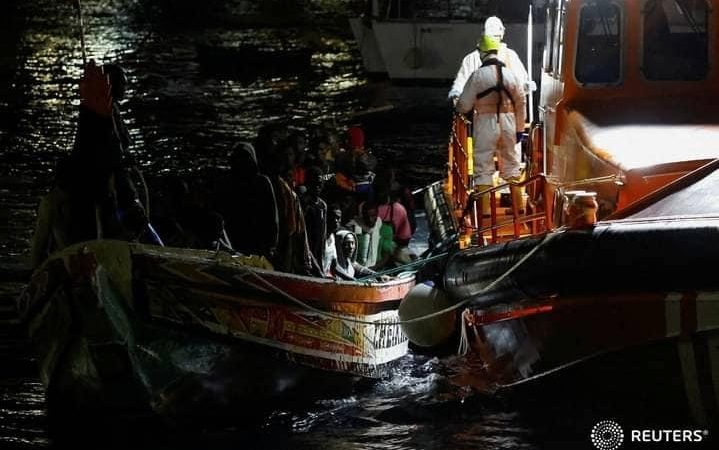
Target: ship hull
{"type": "Point", "coordinates": [580, 301]}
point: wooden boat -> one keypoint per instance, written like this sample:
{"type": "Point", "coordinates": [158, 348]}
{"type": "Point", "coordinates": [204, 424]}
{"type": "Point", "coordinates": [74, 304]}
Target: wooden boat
{"type": "Point", "coordinates": [123, 326]}
{"type": "Point", "coordinates": [425, 42]}
{"type": "Point", "coordinates": [635, 125]}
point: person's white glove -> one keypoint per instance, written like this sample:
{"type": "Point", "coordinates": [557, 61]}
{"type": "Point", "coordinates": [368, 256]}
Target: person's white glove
{"type": "Point", "coordinates": [530, 86]}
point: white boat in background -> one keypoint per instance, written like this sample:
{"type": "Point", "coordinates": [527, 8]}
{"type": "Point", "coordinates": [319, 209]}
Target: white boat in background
{"type": "Point", "coordinates": [426, 40]}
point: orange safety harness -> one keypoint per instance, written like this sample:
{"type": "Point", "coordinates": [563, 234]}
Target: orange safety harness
{"type": "Point", "coordinates": [499, 88]}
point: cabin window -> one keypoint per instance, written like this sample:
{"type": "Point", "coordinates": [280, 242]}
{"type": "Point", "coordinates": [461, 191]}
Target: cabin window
{"type": "Point", "coordinates": [675, 39]}
{"type": "Point", "coordinates": [598, 44]}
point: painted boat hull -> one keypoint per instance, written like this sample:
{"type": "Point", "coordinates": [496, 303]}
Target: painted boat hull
{"type": "Point", "coordinates": [121, 326]}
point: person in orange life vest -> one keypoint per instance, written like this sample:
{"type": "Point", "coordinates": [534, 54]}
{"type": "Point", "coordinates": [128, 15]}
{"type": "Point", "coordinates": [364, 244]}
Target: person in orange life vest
{"type": "Point", "coordinates": [298, 142]}
{"type": "Point", "coordinates": [293, 252]}
{"type": "Point", "coordinates": [356, 164]}
{"type": "Point", "coordinates": [497, 98]}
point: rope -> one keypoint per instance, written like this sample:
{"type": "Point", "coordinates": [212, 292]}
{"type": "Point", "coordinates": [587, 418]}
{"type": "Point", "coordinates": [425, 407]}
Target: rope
{"type": "Point", "coordinates": [463, 347]}
{"type": "Point", "coordinates": [458, 305]}
{"type": "Point", "coordinates": [145, 189]}
{"type": "Point", "coordinates": [403, 267]}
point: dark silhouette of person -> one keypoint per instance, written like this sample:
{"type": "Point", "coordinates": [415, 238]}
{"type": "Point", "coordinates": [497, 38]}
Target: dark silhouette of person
{"type": "Point", "coordinates": [356, 164]}
{"type": "Point", "coordinates": [315, 210]}
{"type": "Point", "coordinates": [103, 198]}
{"type": "Point", "coordinates": [184, 219]}
{"type": "Point", "coordinates": [293, 252]}
{"type": "Point", "coordinates": [251, 212]}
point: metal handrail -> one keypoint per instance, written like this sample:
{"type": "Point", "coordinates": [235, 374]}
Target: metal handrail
{"type": "Point", "coordinates": [459, 190]}
{"type": "Point", "coordinates": [587, 181]}
{"type": "Point", "coordinates": [517, 218]}
{"type": "Point", "coordinates": [458, 182]}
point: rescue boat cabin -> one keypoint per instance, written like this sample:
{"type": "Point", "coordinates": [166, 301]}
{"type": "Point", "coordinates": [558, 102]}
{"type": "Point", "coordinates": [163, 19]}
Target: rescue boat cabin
{"type": "Point", "coordinates": [629, 103]}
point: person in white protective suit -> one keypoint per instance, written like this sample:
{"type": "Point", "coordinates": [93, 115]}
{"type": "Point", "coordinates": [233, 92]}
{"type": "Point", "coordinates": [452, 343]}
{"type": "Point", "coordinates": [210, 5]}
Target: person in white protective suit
{"type": "Point", "coordinates": [493, 27]}
{"type": "Point", "coordinates": [497, 97]}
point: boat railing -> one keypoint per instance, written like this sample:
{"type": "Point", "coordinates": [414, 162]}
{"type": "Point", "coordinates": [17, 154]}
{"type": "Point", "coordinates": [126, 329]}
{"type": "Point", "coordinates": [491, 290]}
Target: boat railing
{"type": "Point", "coordinates": [525, 219]}
{"type": "Point", "coordinates": [459, 164]}
{"type": "Point", "coordinates": [567, 185]}
{"type": "Point", "coordinates": [533, 216]}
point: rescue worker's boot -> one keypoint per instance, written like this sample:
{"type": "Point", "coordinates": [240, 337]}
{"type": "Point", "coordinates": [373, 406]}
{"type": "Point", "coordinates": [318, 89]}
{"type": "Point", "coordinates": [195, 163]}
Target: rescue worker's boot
{"type": "Point", "coordinates": [486, 211]}
{"type": "Point", "coordinates": [517, 194]}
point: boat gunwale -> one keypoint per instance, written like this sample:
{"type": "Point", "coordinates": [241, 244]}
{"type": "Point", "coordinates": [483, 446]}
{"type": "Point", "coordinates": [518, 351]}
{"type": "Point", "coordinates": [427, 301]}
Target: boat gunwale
{"type": "Point", "coordinates": [227, 261]}
{"type": "Point", "coordinates": [315, 291]}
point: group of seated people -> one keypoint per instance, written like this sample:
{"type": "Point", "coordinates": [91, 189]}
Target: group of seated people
{"type": "Point", "coordinates": [275, 201]}
{"type": "Point", "coordinates": [310, 205]}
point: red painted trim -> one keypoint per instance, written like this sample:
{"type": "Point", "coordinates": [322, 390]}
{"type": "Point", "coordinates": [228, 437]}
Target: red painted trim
{"type": "Point", "coordinates": [479, 319]}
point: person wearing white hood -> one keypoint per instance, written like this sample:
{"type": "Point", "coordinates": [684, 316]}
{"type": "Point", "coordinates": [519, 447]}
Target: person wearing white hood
{"type": "Point", "coordinates": [345, 267]}
{"type": "Point", "coordinates": [496, 97]}
{"type": "Point", "coordinates": [493, 27]}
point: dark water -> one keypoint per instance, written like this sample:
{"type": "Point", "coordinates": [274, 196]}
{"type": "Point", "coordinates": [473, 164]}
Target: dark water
{"type": "Point", "coordinates": [203, 75]}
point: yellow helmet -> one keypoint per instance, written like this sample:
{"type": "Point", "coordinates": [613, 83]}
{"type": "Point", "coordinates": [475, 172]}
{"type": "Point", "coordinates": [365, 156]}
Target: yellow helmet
{"type": "Point", "coordinates": [488, 43]}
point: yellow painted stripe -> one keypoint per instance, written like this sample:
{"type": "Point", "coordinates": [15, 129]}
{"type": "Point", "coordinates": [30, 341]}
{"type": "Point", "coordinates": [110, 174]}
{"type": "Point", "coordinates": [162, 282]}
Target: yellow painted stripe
{"type": "Point", "coordinates": [470, 155]}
